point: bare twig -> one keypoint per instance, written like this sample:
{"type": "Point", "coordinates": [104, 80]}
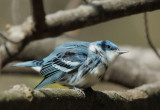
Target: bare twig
{"type": "Point", "coordinates": [147, 35]}
{"type": "Point", "coordinates": [38, 14]}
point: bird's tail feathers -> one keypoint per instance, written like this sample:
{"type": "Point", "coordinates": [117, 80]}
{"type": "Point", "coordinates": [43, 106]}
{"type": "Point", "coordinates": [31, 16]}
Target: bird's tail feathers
{"type": "Point", "coordinates": [41, 84]}
{"type": "Point", "coordinates": [33, 63]}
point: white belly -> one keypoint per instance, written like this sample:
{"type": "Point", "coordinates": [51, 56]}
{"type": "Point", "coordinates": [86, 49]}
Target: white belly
{"type": "Point", "coordinates": [90, 78]}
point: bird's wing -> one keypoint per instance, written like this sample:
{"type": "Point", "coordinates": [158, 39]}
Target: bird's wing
{"type": "Point", "coordinates": [63, 64]}
{"type": "Point", "coordinates": [73, 47]}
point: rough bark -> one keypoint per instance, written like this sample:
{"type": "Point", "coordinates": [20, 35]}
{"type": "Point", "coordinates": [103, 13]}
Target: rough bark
{"type": "Point", "coordinates": [62, 21]}
{"type": "Point", "coordinates": [146, 97]}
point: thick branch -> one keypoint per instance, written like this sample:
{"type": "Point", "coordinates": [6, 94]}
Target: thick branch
{"type": "Point", "coordinates": [100, 11]}
{"type": "Point", "coordinates": [22, 98]}
{"type": "Point", "coordinates": [83, 16]}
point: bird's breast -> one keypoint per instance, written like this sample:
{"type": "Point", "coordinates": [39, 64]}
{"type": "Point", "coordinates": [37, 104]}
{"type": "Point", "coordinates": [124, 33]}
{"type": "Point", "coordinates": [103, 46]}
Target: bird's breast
{"type": "Point", "coordinates": [91, 78]}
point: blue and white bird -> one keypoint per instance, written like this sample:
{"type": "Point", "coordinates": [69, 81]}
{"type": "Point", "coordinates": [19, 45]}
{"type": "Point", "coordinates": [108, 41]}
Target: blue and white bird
{"type": "Point", "coordinates": [76, 64]}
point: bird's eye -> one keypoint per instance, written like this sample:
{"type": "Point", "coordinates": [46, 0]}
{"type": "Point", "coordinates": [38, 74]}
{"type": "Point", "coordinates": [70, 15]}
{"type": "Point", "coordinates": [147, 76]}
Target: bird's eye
{"type": "Point", "coordinates": [108, 46]}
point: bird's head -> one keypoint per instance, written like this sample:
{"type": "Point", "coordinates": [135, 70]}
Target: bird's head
{"type": "Point", "coordinates": [106, 49]}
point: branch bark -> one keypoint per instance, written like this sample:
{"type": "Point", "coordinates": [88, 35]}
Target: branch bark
{"type": "Point", "coordinates": [23, 98]}
{"type": "Point", "coordinates": [63, 21]}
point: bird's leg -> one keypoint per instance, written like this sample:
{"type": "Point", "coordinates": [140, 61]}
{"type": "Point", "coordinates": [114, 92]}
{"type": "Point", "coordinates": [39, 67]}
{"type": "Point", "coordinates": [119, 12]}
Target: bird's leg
{"type": "Point", "coordinates": [79, 90]}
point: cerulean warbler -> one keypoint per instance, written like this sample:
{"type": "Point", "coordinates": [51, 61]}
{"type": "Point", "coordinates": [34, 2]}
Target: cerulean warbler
{"type": "Point", "coordinates": [76, 64]}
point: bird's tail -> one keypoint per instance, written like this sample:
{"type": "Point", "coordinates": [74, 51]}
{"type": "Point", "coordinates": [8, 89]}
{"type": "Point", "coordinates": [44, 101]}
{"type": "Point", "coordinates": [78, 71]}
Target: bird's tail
{"type": "Point", "coordinates": [34, 63]}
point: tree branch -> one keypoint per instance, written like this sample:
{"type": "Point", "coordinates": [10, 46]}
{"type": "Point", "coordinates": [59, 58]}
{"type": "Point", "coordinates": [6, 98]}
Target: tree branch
{"type": "Point", "coordinates": [83, 16]}
{"type": "Point", "coordinates": [97, 12]}
{"type": "Point", "coordinates": [144, 97]}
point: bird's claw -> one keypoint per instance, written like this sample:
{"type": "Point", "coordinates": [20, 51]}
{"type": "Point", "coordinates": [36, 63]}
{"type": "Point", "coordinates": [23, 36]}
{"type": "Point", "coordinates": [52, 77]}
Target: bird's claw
{"type": "Point", "coordinates": [79, 90]}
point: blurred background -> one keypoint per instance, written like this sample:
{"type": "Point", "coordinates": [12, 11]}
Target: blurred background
{"type": "Point", "coordinates": [124, 31]}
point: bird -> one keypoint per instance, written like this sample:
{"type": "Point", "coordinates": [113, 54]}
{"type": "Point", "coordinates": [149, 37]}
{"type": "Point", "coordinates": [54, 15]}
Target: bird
{"type": "Point", "coordinates": [77, 64]}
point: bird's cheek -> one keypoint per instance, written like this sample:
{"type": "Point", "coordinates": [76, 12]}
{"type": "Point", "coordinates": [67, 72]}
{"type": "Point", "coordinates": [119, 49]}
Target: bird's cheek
{"type": "Point", "coordinates": [111, 56]}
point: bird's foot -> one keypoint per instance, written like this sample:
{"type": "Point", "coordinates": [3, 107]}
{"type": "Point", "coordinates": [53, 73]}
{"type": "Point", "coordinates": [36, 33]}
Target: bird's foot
{"type": "Point", "coordinates": [79, 90]}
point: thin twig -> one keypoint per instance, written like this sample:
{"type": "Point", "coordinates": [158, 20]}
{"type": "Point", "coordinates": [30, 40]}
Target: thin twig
{"type": "Point", "coordinates": [147, 35]}
{"type": "Point", "coordinates": [38, 14]}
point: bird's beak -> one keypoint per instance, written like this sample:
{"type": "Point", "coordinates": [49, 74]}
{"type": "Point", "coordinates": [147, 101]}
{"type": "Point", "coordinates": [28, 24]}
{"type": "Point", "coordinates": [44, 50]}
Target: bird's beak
{"type": "Point", "coordinates": [121, 51]}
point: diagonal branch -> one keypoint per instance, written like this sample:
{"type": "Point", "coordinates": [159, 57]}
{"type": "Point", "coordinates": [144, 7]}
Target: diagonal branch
{"type": "Point", "coordinates": [97, 12]}
{"type": "Point", "coordinates": [68, 20]}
